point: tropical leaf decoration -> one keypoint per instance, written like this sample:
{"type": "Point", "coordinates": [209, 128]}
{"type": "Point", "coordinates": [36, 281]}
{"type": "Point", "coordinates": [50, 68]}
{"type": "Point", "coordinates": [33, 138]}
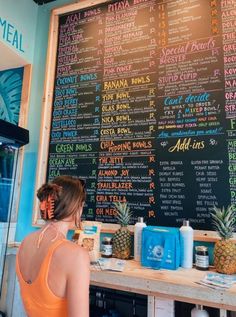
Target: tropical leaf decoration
{"type": "Point", "coordinates": [10, 94]}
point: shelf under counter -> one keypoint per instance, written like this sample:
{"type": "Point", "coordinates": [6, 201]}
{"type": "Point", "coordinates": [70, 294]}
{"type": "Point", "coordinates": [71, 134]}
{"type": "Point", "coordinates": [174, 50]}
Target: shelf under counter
{"type": "Point", "coordinates": [178, 285]}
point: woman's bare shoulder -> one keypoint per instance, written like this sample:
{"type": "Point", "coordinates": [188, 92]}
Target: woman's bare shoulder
{"type": "Point", "coordinates": [70, 251]}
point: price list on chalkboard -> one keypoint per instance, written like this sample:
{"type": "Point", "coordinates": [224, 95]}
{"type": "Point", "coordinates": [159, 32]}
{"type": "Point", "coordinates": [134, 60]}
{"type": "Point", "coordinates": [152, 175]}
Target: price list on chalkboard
{"type": "Point", "coordinates": [144, 108]}
{"type": "Point", "coordinates": [229, 47]}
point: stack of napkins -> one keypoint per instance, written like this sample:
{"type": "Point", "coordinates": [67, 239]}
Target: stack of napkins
{"type": "Point", "coordinates": [111, 264]}
{"type": "Point", "coordinates": [218, 281]}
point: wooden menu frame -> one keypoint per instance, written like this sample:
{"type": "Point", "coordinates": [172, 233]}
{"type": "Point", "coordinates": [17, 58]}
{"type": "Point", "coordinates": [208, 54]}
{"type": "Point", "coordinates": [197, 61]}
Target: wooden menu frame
{"type": "Point", "coordinates": [200, 235]}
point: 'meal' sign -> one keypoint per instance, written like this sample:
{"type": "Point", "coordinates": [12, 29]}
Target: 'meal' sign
{"type": "Point", "coordinates": [11, 35]}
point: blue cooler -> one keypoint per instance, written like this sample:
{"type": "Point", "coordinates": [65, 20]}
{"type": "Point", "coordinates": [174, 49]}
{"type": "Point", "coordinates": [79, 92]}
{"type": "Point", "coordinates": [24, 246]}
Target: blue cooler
{"type": "Point", "coordinates": [160, 247]}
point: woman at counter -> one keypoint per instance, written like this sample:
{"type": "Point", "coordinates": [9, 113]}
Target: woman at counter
{"type": "Point", "coordinates": [53, 272]}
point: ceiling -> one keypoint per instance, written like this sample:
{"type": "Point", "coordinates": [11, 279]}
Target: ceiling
{"type": "Point", "coordinates": [40, 2]}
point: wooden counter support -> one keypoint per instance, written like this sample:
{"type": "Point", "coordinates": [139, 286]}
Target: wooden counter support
{"type": "Point", "coordinates": [175, 285]}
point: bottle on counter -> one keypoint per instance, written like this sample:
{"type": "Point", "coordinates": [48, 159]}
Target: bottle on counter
{"type": "Point", "coordinates": [198, 311]}
{"type": "Point", "coordinates": [201, 258]}
{"type": "Point", "coordinates": [186, 245]}
{"type": "Point", "coordinates": [106, 251]}
{"type": "Point", "coordinates": [138, 228]}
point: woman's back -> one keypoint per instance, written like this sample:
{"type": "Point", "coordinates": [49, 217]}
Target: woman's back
{"type": "Point", "coordinates": [52, 272]}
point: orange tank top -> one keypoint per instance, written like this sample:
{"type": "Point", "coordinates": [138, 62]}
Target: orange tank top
{"type": "Point", "coordinates": [37, 297]}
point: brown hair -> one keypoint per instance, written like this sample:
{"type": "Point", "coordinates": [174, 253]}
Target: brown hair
{"type": "Point", "coordinates": [68, 194]}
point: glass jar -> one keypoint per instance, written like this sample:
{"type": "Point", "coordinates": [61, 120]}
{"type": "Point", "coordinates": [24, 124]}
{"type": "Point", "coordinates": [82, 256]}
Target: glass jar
{"type": "Point", "coordinates": [106, 251]}
{"type": "Point", "coordinates": [202, 258]}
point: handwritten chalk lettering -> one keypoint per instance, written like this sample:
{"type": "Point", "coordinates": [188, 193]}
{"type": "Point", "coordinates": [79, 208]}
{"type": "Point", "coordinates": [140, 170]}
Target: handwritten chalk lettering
{"type": "Point", "coordinates": [65, 92]}
{"type": "Point", "coordinates": [88, 77]}
{"type": "Point", "coordinates": [228, 13]}
{"type": "Point", "coordinates": [65, 29]}
{"type": "Point", "coordinates": [118, 69]}
{"type": "Point", "coordinates": [73, 18]}
{"type": "Point", "coordinates": [232, 167]}
{"type": "Point", "coordinates": [118, 6]}
{"type": "Point", "coordinates": [107, 98]}
{"type": "Point", "coordinates": [70, 134]}
{"type": "Point", "coordinates": [229, 59]}
{"type": "Point", "coordinates": [180, 49]}
{"type": "Point", "coordinates": [64, 148]}
{"type": "Point", "coordinates": [83, 147]}
{"type": "Point", "coordinates": [122, 95]}
{"type": "Point", "coordinates": [232, 180]}
{"type": "Point", "coordinates": [11, 35]}
{"type": "Point", "coordinates": [67, 80]}
{"type": "Point", "coordinates": [65, 39]}
{"type": "Point", "coordinates": [111, 160]}
{"type": "Point", "coordinates": [114, 49]}
{"type": "Point", "coordinates": [229, 36]}
{"type": "Point", "coordinates": [230, 83]}
{"type": "Point", "coordinates": [91, 12]}
{"type": "Point", "coordinates": [186, 145]}
{"type": "Point", "coordinates": [64, 123]}
{"type": "Point", "coordinates": [78, 37]}
{"type": "Point", "coordinates": [68, 59]}
{"type": "Point", "coordinates": [228, 48]}
{"type": "Point", "coordinates": [204, 45]}
{"type": "Point", "coordinates": [108, 173]}
{"type": "Point", "coordinates": [108, 61]}
{"type": "Point", "coordinates": [173, 101]}
{"type": "Point", "coordinates": [120, 27]}
{"type": "Point", "coordinates": [63, 70]}
{"type": "Point", "coordinates": [174, 59]}
{"type": "Point", "coordinates": [232, 124]}
{"type": "Point", "coordinates": [115, 84]}
{"type": "Point", "coordinates": [54, 173]}
{"type": "Point", "coordinates": [230, 71]}
{"type": "Point", "coordinates": [56, 162]}
{"type": "Point", "coordinates": [197, 98]}
{"type": "Point", "coordinates": [126, 146]}
{"type": "Point", "coordinates": [140, 80]}
{"type": "Point", "coordinates": [115, 185]}
{"type": "Point", "coordinates": [70, 112]}
{"type": "Point", "coordinates": [56, 135]}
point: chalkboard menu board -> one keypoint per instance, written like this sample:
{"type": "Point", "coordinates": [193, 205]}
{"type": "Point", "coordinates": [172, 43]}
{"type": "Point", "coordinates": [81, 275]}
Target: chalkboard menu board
{"type": "Point", "coordinates": [144, 108]}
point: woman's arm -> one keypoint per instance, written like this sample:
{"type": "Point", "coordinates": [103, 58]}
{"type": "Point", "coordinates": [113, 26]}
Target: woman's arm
{"type": "Point", "coordinates": [77, 292]}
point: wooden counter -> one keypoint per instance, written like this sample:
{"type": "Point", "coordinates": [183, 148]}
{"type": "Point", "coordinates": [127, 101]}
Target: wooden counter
{"type": "Point", "coordinates": [176, 285]}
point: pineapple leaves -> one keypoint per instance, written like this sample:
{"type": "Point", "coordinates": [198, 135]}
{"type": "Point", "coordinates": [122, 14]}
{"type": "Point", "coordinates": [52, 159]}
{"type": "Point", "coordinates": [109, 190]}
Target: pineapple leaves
{"type": "Point", "coordinates": [123, 213]}
{"type": "Point", "coordinates": [224, 221]}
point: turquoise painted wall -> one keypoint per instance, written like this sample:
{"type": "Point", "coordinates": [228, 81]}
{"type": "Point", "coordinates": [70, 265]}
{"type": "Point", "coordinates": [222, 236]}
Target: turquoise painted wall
{"type": "Point", "coordinates": [18, 26]}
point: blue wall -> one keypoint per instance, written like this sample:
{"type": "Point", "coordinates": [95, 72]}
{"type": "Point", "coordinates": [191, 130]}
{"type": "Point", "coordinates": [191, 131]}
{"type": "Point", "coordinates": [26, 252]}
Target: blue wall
{"type": "Point", "coordinates": [24, 225]}
{"type": "Point", "coordinates": [18, 26]}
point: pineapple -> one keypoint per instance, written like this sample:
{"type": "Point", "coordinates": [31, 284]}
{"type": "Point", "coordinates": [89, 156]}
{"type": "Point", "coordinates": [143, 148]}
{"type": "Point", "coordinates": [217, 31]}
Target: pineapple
{"type": "Point", "coordinates": [224, 223]}
{"type": "Point", "coordinates": [122, 237]}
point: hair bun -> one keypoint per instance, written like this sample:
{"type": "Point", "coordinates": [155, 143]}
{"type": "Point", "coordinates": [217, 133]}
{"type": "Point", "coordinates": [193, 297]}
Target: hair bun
{"type": "Point", "coordinates": [49, 189]}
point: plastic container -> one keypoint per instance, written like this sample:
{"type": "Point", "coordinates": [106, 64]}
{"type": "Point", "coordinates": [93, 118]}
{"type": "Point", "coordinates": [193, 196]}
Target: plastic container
{"type": "Point", "coordinates": [201, 258]}
{"type": "Point", "coordinates": [138, 228]}
{"type": "Point", "coordinates": [186, 245]}
{"type": "Point", "coordinates": [106, 251]}
{"type": "Point", "coordinates": [198, 311]}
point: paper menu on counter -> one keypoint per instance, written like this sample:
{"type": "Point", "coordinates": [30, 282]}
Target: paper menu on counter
{"type": "Point", "coordinates": [218, 281]}
{"type": "Point", "coordinates": [111, 264]}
